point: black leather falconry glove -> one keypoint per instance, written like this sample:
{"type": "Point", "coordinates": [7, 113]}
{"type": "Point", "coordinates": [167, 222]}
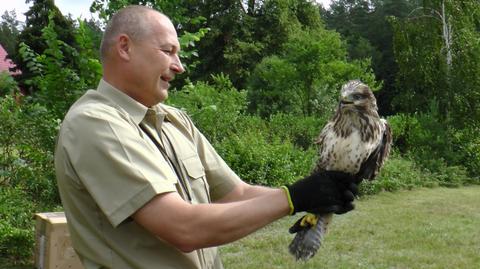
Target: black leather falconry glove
{"type": "Point", "coordinates": [323, 192]}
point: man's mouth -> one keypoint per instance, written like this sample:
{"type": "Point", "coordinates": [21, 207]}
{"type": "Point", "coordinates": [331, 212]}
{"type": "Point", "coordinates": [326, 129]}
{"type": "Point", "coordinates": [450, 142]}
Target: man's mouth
{"type": "Point", "coordinates": [166, 78]}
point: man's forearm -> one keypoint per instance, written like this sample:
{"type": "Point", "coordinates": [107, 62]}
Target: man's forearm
{"type": "Point", "coordinates": [244, 191]}
{"type": "Point", "coordinates": [238, 219]}
{"type": "Point", "coordinates": [190, 227]}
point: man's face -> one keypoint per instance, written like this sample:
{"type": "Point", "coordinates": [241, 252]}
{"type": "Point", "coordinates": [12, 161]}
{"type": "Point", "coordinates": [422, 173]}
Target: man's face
{"type": "Point", "coordinates": [155, 62]}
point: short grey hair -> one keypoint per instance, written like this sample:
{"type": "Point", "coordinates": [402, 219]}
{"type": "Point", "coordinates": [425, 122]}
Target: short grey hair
{"type": "Point", "coordinates": [131, 20]}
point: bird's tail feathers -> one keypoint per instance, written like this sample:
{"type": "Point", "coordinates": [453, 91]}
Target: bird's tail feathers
{"type": "Point", "coordinates": [308, 239]}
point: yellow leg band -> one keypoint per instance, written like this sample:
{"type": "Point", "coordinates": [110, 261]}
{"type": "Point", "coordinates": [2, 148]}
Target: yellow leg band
{"type": "Point", "coordinates": [309, 220]}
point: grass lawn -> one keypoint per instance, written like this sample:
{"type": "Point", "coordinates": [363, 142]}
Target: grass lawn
{"type": "Point", "coordinates": [424, 228]}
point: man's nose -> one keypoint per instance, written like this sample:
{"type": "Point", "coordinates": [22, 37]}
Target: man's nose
{"type": "Point", "coordinates": [177, 66]}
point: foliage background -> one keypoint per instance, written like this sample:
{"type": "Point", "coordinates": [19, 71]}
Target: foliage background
{"type": "Point", "coordinates": [262, 80]}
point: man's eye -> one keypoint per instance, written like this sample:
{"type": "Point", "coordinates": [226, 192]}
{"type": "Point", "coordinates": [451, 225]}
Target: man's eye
{"type": "Point", "coordinates": [168, 52]}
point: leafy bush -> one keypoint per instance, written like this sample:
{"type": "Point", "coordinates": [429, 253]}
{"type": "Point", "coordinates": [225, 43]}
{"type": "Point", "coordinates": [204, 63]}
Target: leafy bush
{"type": "Point", "coordinates": [260, 151]}
{"type": "Point", "coordinates": [215, 108]}
{"type": "Point", "coordinates": [399, 174]}
{"type": "Point", "coordinates": [263, 161]}
{"type": "Point", "coordinates": [27, 180]}
{"type": "Point", "coordinates": [451, 176]}
{"type": "Point", "coordinates": [7, 84]}
{"type": "Point", "coordinates": [400, 125]}
{"type": "Point", "coordinates": [468, 143]}
{"type": "Point", "coordinates": [16, 226]}
{"type": "Point", "coordinates": [15, 244]}
{"type": "Point", "coordinates": [26, 148]}
{"type": "Point", "coordinates": [302, 131]}
{"type": "Point", "coordinates": [437, 146]}
{"type": "Point", "coordinates": [272, 89]}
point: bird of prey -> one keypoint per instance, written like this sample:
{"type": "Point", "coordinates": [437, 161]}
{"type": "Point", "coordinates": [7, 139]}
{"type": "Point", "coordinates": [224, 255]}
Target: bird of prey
{"type": "Point", "coordinates": [356, 141]}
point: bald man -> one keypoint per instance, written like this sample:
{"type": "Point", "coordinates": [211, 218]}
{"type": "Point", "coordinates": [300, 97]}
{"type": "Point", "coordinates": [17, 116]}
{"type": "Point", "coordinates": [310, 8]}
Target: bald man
{"type": "Point", "coordinates": [140, 185]}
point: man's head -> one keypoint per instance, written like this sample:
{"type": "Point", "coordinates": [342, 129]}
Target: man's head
{"type": "Point", "coordinates": [139, 53]}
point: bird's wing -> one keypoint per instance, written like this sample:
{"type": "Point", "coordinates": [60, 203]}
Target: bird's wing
{"type": "Point", "coordinates": [321, 144]}
{"type": "Point", "coordinates": [371, 166]}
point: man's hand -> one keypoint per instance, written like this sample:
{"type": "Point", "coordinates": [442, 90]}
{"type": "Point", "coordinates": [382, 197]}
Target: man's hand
{"type": "Point", "coordinates": [323, 192]}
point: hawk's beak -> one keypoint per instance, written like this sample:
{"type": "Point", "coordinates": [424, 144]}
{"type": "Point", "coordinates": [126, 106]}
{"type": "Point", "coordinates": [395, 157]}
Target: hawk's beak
{"type": "Point", "coordinates": [346, 100]}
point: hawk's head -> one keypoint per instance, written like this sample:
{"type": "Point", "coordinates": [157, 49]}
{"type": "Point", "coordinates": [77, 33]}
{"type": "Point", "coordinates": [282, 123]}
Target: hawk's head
{"type": "Point", "coordinates": [356, 95]}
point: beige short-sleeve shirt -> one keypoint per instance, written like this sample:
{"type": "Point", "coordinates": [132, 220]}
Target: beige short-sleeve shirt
{"type": "Point", "coordinates": [107, 168]}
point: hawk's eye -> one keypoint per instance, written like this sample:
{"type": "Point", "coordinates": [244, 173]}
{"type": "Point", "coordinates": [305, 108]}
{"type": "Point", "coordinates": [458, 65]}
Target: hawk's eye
{"type": "Point", "coordinates": [357, 96]}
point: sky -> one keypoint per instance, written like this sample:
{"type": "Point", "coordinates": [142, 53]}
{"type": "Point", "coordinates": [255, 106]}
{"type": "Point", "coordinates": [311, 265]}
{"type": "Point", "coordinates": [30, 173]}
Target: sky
{"type": "Point", "coordinates": [75, 7]}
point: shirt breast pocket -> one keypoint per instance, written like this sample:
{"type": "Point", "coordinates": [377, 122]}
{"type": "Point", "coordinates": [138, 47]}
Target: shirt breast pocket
{"type": "Point", "coordinates": [196, 179]}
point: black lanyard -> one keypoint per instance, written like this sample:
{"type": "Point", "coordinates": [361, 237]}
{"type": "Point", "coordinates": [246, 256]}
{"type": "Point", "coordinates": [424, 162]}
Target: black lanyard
{"type": "Point", "coordinates": [169, 160]}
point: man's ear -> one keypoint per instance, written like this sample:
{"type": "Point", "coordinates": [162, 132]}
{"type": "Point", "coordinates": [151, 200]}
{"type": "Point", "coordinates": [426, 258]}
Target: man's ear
{"type": "Point", "coordinates": [123, 47]}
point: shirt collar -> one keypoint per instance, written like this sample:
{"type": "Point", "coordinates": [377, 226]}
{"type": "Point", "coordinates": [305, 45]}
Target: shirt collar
{"type": "Point", "coordinates": [136, 110]}
{"type": "Point", "coordinates": [161, 112]}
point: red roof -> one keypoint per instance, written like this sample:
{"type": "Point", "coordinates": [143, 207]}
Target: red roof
{"type": "Point", "coordinates": [5, 63]}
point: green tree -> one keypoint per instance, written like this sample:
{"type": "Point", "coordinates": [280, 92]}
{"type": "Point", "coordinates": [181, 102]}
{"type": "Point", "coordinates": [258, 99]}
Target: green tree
{"type": "Point", "coordinates": [304, 78]}
{"type": "Point", "coordinates": [438, 57]}
{"type": "Point", "coordinates": [37, 18]}
{"type": "Point", "coordinates": [241, 37]}
{"type": "Point", "coordinates": [9, 31]}
{"type": "Point", "coordinates": [51, 69]}
{"type": "Point", "coordinates": [93, 29]}
{"type": "Point", "coordinates": [175, 9]}
{"type": "Point", "coordinates": [465, 66]}
{"type": "Point", "coordinates": [364, 25]}
{"type": "Point", "coordinates": [421, 74]}
{"type": "Point", "coordinates": [272, 88]}
{"type": "Point", "coordinates": [241, 32]}
{"type": "Point", "coordinates": [220, 44]}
